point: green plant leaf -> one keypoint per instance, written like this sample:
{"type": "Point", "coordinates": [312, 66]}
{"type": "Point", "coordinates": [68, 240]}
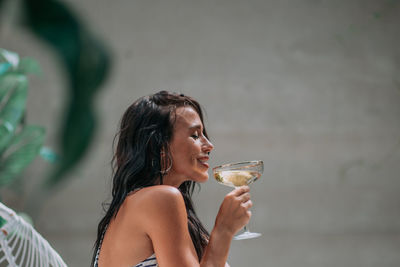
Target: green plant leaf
{"type": "Point", "coordinates": [23, 148]}
{"type": "Point", "coordinates": [10, 57]}
{"type": "Point", "coordinates": [13, 93]}
{"type": "Point", "coordinates": [4, 67]}
{"type": "Point", "coordinates": [8, 81]}
{"type": "Point", "coordinates": [1, 2]}
{"type": "Point", "coordinates": [29, 65]}
{"type": "Point", "coordinates": [86, 62]}
{"type": "Point", "coordinates": [2, 221]}
{"type": "Point", "coordinates": [48, 154]}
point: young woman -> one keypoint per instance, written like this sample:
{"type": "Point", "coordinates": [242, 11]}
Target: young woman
{"type": "Point", "coordinates": [162, 152]}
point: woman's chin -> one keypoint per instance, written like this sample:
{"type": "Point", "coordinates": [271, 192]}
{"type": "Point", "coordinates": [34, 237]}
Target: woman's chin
{"type": "Point", "coordinates": [203, 179]}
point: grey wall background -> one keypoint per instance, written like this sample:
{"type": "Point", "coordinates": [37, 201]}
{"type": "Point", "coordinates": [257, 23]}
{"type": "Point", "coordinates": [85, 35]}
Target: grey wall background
{"type": "Point", "coordinates": [312, 87]}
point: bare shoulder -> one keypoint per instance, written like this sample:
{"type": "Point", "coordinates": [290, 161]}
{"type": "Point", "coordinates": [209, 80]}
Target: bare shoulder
{"type": "Point", "coordinates": [157, 201]}
{"type": "Point", "coordinates": [164, 221]}
{"type": "Point", "coordinates": [157, 193]}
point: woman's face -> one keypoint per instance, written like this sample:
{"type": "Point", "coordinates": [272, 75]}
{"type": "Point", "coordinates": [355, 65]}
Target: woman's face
{"type": "Point", "coordinates": [189, 149]}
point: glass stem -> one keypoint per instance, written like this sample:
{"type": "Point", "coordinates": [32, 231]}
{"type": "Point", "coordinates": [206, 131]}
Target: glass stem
{"type": "Point", "coordinates": [246, 229]}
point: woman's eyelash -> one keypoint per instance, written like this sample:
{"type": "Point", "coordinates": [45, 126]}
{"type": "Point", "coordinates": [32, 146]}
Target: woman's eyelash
{"type": "Point", "coordinates": [195, 135]}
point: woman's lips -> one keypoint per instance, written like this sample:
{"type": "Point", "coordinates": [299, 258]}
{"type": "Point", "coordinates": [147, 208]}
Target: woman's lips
{"type": "Point", "coordinates": [203, 161]}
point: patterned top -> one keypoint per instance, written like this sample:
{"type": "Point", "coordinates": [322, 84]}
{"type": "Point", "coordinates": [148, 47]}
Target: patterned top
{"type": "Point", "coordinates": [150, 261]}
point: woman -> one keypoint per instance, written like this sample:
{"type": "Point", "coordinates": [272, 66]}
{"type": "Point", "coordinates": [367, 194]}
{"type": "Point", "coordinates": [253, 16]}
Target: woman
{"type": "Point", "coordinates": [162, 152]}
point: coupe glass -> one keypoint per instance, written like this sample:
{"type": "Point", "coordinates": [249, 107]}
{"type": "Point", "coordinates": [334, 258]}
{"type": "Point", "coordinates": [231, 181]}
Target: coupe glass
{"type": "Point", "coordinates": [239, 174]}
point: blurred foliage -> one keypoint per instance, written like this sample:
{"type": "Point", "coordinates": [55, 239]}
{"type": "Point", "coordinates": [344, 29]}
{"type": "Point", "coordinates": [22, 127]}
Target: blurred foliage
{"type": "Point", "coordinates": [19, 143]}
{"type": "Point", "coordinates": [86, 63]}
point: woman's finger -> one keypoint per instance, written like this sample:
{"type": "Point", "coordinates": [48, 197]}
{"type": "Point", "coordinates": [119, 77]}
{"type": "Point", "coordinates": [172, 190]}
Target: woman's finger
{"type": "Point", "coordinates": [244, 197]}
{"type": "Point", "coordinates": [241, 190]}
{"type": "Point", "coordinates": [248, 204]}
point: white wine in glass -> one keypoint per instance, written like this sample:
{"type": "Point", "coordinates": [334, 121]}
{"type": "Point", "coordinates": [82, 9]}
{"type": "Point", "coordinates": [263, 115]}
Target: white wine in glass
{"type": "Point", "coordinates": [239, 174]}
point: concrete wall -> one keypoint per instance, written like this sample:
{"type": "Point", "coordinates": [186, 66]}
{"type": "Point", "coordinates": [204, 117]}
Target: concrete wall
{"type": "Point", "coordinates": [312, 87]}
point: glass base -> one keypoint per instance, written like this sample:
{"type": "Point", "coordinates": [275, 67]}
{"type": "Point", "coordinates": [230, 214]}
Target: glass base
{"type": "Point", "coordinates": [247, 235]}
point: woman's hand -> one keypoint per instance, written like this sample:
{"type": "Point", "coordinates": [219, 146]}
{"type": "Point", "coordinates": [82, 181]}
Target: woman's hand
{"type": "Point", "coordinates": [234, 211]}
{"type": "Point", "coordinates": [232, 216]}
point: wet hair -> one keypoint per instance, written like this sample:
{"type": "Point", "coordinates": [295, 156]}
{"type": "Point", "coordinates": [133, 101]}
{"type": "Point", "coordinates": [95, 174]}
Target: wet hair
{"type": "Point", "coordinates": [141, 158]}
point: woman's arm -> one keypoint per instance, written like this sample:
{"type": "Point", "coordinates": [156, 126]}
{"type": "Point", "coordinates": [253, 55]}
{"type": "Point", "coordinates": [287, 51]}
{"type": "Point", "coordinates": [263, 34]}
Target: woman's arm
{"type": "Point", "coordinates": [165, 221]}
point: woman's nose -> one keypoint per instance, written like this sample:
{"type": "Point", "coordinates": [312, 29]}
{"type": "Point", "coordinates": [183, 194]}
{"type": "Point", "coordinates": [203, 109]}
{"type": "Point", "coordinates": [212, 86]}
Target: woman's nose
{"type": "Point", "coordinates": [208, 146]}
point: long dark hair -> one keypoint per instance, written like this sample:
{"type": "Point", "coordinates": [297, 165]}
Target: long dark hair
{"type": "Point", "coordinates": [145, 131]}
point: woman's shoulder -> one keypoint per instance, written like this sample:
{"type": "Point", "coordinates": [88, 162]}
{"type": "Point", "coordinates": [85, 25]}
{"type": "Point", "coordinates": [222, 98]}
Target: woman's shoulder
{"type": "Point", "coordinates": [156, 193]}
{"type": "Point", "coordinates": [158, 199]}
{"type": "Point", "coordinates": [159, 211]}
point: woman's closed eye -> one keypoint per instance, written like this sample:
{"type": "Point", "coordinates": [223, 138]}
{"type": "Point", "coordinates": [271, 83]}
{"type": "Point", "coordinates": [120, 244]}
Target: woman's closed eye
{"type": "Point", "coordinates": [195, 135]}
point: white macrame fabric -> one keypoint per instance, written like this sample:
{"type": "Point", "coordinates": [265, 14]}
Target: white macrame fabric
{"type": "Point", "coordinates": [22, 246]}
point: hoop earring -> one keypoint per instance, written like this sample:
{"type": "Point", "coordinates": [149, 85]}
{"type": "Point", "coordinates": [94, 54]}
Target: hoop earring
{"type": "Point", "coordinates": [164, 172]}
